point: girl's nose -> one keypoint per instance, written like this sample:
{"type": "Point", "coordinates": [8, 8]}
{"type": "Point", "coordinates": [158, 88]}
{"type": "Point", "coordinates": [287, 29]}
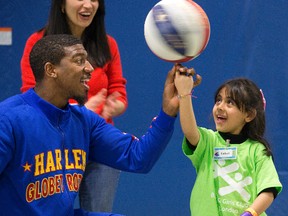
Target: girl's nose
{"type": "Point", "coordinates": [220, 106]}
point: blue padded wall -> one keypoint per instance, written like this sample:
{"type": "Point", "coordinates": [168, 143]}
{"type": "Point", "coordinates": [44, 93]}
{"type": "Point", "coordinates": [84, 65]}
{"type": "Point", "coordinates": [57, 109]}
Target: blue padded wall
{"type": "Point", "coordinates": [248, 38]}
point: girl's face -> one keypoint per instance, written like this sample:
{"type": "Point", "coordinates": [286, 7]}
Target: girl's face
{"type": "Point", "coordinates": [228, 117]}
{"type": "Point", "coordinates": [79, 14]}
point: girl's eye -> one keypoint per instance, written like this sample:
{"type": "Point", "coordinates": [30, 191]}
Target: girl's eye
{"type": "Point", "coordinates": [218, 100]}
{"type": "Point", "coordinates": [230, 102]}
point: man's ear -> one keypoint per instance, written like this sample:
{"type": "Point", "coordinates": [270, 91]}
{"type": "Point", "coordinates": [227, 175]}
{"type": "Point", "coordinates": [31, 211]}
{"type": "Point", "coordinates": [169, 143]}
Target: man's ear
{"type": "Point", "coordinates": [50, 70]}
{"type": "Point", "coordinates": [251, 115]}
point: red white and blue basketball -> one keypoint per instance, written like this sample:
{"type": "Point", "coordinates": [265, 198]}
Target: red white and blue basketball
{"type": "Point", "coordinates": [177, 30]}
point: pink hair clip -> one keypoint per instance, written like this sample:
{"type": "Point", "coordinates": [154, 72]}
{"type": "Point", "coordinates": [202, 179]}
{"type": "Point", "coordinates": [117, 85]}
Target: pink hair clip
{"type": "Point", "coordinates": [263, 98]}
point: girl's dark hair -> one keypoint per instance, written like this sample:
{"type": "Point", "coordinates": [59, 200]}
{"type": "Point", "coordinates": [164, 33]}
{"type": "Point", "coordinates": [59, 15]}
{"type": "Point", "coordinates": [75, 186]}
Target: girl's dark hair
{"type": "Point", "coordinates": [94, 37]}
{"type": "Point", "coordinates": [248, 98]}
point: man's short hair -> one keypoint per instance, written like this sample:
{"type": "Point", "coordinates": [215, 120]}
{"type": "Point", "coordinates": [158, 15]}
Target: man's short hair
{"type": "Point", "coordinates": [49, 49]}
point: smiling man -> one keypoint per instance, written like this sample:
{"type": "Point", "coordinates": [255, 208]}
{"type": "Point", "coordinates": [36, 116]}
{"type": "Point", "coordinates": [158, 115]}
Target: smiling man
{"type": "Point", "coordinates": [45, 142]}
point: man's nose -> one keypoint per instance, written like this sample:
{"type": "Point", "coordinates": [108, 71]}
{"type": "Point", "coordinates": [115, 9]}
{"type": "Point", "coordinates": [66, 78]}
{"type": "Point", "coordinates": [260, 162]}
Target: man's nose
{"type": "Point", "coordinates": [88, 67]}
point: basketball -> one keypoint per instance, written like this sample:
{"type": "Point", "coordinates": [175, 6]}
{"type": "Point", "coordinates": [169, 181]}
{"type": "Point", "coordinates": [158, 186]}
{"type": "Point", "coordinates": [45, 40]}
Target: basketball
{"type": "Point", "coordinates": [177, 30]}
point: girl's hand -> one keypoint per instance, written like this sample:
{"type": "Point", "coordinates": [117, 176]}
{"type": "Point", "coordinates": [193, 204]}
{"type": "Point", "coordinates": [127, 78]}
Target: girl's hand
{"type": "Point", "coordinates": [184, 80]}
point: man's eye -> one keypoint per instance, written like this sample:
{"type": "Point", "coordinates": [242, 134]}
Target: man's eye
{"type": "Point", "coordinates": [80, 61]}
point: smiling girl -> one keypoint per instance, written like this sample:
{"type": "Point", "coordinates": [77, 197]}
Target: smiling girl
{"type": "Point", "coordinates": [235, 171]}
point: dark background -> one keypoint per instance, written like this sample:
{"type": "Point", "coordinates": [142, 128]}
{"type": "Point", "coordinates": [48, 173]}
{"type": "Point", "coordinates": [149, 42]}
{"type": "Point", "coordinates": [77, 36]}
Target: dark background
{"type": "Point", "coordinates": [248, 38]}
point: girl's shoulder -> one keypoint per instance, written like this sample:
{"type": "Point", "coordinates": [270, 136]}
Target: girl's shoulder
{"type": "Point", "coordinates": [210, 136]}
{"type": "Point", "coordinates": [255, 145]}
{"type": "Point", "coordinates": [207, 131]}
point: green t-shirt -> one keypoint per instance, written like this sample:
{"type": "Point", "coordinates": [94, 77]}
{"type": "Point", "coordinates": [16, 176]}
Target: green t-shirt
{"type": "Point", "coordinates": [226, 187]}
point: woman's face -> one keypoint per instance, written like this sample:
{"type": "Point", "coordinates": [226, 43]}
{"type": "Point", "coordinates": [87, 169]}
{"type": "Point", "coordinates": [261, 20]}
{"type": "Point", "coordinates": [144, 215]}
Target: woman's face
{"type": "Point", "coordinates": [79, 14]}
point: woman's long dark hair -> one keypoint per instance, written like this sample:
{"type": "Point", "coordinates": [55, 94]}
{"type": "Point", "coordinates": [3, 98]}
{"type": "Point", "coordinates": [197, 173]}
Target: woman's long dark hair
{"type": "Point", "coordinates": [94, 37]}
{"type": "Point", "coordinates": [248, 98]}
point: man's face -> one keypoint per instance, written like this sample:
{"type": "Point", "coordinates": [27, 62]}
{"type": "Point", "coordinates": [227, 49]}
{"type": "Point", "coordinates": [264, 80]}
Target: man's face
{"type": "Point", "coordinates": [73, 73]}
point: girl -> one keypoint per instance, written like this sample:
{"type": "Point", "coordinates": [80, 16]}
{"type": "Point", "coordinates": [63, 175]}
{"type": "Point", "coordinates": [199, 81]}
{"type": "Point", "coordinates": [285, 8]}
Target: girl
{"type": "Point", "coordinates": [107, 94]}
{"type": "Point", "coordinates": [235, 171]}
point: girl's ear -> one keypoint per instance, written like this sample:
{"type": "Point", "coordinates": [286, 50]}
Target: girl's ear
{"type": "Point", "coordinates": [251, 115]}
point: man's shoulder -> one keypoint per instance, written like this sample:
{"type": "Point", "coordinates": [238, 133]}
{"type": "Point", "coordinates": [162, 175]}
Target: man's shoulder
{"type": "Point", "coordinates": [11, 105]}
{"type": "Point", "coordinates": [12, 101]}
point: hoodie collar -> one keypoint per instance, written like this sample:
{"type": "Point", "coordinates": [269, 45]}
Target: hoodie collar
{"type": "Point", "coordinates": [53, 113]}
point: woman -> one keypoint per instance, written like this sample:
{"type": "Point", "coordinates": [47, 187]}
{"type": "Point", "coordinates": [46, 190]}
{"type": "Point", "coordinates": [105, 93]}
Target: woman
{"type": "Point", "coordinates": [107, 94]}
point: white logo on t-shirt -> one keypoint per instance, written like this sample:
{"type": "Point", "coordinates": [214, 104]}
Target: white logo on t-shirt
{"type": "Point", "coordinates": [236, 184]}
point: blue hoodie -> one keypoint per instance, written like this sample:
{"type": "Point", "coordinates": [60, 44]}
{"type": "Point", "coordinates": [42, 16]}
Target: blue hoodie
{"type": "Point", "coordinates": [44, 150]}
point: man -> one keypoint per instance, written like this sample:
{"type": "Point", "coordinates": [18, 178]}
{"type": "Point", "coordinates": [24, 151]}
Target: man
{"type": "Point", "coordinates": [45, 142]}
